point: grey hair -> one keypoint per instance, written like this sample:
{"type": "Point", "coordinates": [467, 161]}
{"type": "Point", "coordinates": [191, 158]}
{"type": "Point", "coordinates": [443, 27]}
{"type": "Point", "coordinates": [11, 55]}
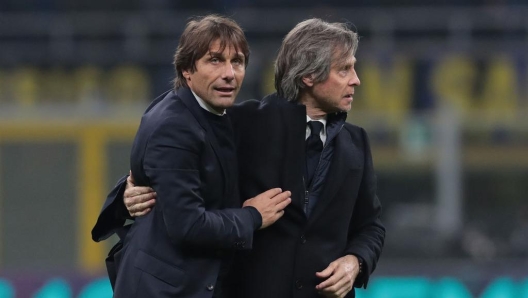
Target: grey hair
{"type": "Point", "coordinates": [307, 50]}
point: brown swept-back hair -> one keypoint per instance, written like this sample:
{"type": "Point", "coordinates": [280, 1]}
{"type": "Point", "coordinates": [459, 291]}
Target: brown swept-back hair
{"type": "Point", "coordinates": [197, 38]}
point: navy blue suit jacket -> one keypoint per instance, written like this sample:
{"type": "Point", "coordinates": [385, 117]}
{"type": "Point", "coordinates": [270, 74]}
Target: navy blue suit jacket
{"type": "Point", "coordinates": [176, 250]}
{"type": "Point", "coordinates": [346, 219]}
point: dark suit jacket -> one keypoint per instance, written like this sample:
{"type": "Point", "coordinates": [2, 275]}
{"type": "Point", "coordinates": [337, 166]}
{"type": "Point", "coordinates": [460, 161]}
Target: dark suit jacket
{"type": "Point", "coordinates": [176, 250]}
{"type": "Point", "coordinates": [345, 220]}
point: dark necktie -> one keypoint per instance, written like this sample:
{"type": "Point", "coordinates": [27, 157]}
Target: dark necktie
{"type": "Point", "coordinates": [314, 146]}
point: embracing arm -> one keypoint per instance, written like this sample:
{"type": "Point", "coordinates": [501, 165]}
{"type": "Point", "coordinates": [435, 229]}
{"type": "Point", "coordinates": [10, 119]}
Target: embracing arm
{"type": "Point", "coordinates": [172, 163]}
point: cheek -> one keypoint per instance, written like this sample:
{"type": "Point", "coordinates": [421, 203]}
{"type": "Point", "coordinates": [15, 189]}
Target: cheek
{"type": "Point", "coordinates": [240, 74]}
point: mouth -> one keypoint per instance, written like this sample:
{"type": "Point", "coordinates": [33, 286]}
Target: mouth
{"type": "Point", "coordinates": [349, 96]}
{"type": "Point", "coordinates": [225, 91]}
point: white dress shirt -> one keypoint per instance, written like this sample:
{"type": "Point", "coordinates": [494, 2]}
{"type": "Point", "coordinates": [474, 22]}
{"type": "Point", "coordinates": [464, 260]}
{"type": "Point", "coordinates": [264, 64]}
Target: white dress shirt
{"type": "Point", "coordinates": [323, 131]}
{"type": "Point", "coordinates": [207, 107]}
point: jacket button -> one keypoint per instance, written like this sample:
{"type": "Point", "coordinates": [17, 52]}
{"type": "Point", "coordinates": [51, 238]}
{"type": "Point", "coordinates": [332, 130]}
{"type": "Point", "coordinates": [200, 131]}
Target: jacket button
{"type": "Point", "coordinates": [303, 239]}
{"type": "Point", "coordinates": [210, 287]}
{"type": "Point", "coordinates": [298, 284]}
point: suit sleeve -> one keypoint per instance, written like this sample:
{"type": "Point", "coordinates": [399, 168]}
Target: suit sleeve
{"type": "Point", "coordinates": [113, 213]}
{"type": "Point", "coordinates": [366, 233]}
{"type": "Point", "coordinates": [172, 164]}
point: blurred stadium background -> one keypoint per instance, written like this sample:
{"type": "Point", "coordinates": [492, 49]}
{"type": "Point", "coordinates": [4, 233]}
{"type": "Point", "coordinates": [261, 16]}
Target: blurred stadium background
{"type": "Point", "coordinates": [444, 98]}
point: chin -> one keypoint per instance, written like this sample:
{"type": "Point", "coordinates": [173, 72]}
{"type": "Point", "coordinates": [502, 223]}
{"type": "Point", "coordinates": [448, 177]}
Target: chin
{"type": "Point", "coordinates": [347, 107]}
{"type": "Point", "coordinates": [343, 109]}
{"type": "Point", "coordinates": [225, 103]}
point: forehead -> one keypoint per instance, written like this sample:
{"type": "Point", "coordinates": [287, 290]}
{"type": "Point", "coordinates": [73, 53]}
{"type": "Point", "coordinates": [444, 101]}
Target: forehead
{"type": "Point", "coordinates": [343, 60]}
{"type": "Point", "coordinates": [342, 55]}
{"type": "Point", "coordinates": [224, 47]}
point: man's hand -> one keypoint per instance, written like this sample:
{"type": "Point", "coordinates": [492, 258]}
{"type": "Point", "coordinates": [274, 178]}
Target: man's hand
{"type": "Point", "coordinates": [340, 276]}
{"type": "Point", "coordinates": [139, 200]}
{"type": "Point", "coordinates": [270, 204]}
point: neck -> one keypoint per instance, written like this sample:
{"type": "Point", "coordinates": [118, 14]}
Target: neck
{"type": "Point", "coordinates": [312, 109]}
{"type": "Point", "coordinates": [207, 106]}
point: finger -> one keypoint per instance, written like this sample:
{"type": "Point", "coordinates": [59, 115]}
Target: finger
{"type": "Point", "coordinates": [281, 196]}
{"type": "Point", "coordinates": [140, 206]}
{"type": "Point", "coordinates": [133, 201]}
{"type": "Point", "coordinates": [327, 271]}
{"type": "Point", "coordinates": [335, 289]}
{"type": "Point", "coordinates": [337, 281]}
{"type": "Point", "coordinates": [131, 177]}
{"type": "Point", "coordinates": [138, 190]}
{"type": "Point", "coordinates": [145, 205]}
{"type": "Point", "coordinates": [327, 283]}
{"type": "Point", "coordinates": [341, 288]}
{"type": "Point", "coordinates": [283, 204]}
{"type": "Point", "coordinates": [278, 215]}
{"type": "Point", "coordinates": [343, 291]}
{"type": "Point", "coordinates": [271, 192]}
{"type": "Point", "coordinates": [141, 213]}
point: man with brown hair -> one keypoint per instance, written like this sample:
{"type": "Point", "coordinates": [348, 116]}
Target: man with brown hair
{"type": "Point", "coordinates": [184, 150]}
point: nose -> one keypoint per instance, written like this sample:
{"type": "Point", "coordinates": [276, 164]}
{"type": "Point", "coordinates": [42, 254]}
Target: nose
{"type": "Point", "coordinates": [354, 81]}
{"type": "Point", "coordinates": [229, 72]}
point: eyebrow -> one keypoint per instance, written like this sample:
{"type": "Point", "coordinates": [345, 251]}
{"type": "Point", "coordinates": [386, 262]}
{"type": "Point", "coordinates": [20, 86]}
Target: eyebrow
{"type": "Point", "coordinates": [212, 54]}
{"type": "Point", "coordinates": [219, 54]}
{"type": "Point", "coordinates": [240, 56]}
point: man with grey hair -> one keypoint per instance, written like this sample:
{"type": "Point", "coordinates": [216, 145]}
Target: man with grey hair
{"type": "Point", "coordinates": [330, 237]}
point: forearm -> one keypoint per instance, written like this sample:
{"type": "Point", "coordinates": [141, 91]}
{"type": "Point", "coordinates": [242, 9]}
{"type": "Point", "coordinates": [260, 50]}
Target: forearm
{"type": "Point", "coordinates": [224, 229]}
{"type": "Point", "coordinates": [366, 232]}
{"type": "Point", "coordinates": [186, 219]}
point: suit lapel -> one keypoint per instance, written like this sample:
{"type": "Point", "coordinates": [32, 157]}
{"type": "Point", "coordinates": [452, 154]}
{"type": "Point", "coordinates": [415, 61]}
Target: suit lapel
{"type": "Point", "coordinates": [345, 157]}
{"type": "Point", "coordinates": [192, 104]}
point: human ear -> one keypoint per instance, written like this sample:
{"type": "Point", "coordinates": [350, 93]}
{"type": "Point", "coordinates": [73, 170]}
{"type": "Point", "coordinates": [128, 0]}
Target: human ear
{"type": "Point", "coordinates": [308, 80]}
{"type": "Point", "coordinates": [186, 74]}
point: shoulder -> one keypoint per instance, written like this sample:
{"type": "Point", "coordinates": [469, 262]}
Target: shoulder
{"type": "Point", "coordinates": [270, 106]}
{"type": "Point", "coordinates": [357, 133]}
{"type": "Point", "coordinates": [352, 128]}
{"type": "Point", "coordinates": [271, 101]}
{"type": "Point", "coordinates": [170, 120]}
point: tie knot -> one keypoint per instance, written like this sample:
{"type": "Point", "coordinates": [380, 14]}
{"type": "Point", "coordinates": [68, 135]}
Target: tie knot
{"type": "Point", "coordinates": [315, 127]}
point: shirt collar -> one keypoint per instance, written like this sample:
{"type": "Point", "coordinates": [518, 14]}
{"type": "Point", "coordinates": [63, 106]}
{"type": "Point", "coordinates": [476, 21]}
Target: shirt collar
{"type": "Point", "coordinates": [322, 120]}
{"type": "Point", "coordinates": [322, 135]}
{"type": "Point", "coordinates": [206, 106]}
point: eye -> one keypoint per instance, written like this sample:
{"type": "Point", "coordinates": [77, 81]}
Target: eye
{"type": "Point", "coordinates": [345, 70]}
{"type": "Point", "coordinates": [238, 61]}
{"type": "Point", "coordinates": [214, 60]}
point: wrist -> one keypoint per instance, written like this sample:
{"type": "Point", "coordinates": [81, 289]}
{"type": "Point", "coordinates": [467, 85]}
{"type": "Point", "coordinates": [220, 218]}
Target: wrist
{"type": "Point", "coordinates": [361, 266]}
